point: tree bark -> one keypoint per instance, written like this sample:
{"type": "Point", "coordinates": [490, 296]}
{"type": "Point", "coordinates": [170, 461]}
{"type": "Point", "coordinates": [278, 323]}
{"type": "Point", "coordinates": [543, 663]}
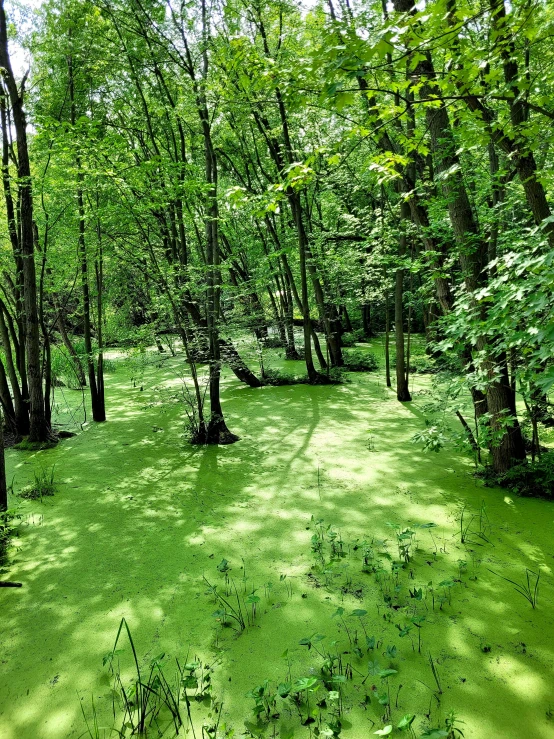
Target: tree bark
{"type": "Point", "coordinates": [39, 430]}
{"type": "Point", "coordinates": [402, 391]}
{"type": "Point", "coordinates": [3, 484]}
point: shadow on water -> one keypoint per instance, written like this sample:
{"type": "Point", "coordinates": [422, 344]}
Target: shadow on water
{"type": "Point", "coordinates": [140, 517]}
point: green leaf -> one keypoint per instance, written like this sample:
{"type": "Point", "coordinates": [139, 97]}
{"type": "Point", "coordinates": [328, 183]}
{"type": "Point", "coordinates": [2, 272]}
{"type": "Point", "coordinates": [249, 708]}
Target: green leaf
{"type": "Point", "coordinates": [406, 721]}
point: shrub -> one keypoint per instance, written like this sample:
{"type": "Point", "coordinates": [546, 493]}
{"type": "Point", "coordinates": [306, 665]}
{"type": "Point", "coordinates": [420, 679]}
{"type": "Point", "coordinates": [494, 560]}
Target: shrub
{"type": "Point", "coordinates": [350, 338]}
{"type": "Point", "coordinates": [358, 360]}
{"type": "Point", "coordinates": [532, 479]}
{"type": "Point", "coordinates": [276, 378]}
{"type": "Point", "coordinates": [424, 366]}
{"type": "Point", "coordinates": [272, 342]}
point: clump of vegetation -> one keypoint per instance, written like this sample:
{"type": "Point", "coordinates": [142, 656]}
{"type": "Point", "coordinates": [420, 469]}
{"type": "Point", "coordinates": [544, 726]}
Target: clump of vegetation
{"type": "Point", "coordinates": [358, 360]}
{"type": "Point", "coordinates": [425, 365]}
{"type": "Point", "coordinates": [43, 486]}
{"type": "Point", "coordinates": [277, 378]}
{"type": "Point", "coordinates": [529, 589]}
{"type": "Point", "coordinates": [351, 338]}
{"type": "Point", "coordinates": [151, 699]}
{"type": "Point", "coordinates": [8, 529]}
{"type": "Point", "coordinates": [532, 479]}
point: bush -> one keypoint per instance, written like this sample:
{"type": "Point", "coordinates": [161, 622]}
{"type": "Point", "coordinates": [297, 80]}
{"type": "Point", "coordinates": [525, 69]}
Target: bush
{"type": "Point", "coordinates": [350, 338]}
{"type": "Point", "coordinates": [532, 479]}
{"type": "Point", "coordinates": [358, 360]}
{"type": "Point", "coordinates": [276, 378]}
{"type": "Point", "coordinates": [424, 366]}
{"type": "Point", "coordinates": [272, 342]}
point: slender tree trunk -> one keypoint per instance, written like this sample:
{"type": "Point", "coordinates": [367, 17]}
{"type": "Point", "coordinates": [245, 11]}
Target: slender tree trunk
{"type": "Point", "coordinates": [39, 430]}
{"type": "Point", "coordinates": [6, 400]}
{"type": "Point", "coordinates": [3, 484]}
{"type": "Point", "coordinates": [98, 413]}
{"type": "Point", "coordinates": [402, 391]}
{"type": "Point", "coordinates": [366, 320]}
{"type": "Point", "coordinates": [21, 409]}
{"type": "Point", "coordinates": [99, 273]}
{"type": "Point", "coordinates": [387, 342]}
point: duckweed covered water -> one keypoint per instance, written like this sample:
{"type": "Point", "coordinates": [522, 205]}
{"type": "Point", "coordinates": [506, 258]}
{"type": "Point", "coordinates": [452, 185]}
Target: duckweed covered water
{"type": "Point", "coordinates": [139, 518]}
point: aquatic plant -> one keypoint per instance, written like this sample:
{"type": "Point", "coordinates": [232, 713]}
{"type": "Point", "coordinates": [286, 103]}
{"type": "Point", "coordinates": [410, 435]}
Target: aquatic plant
{"type": "Point", "coordinates": [529, 589]}
{"type": "Point", "coordinates": [42, 486]}
{"type": "Point", "coordinates": [228, 609]}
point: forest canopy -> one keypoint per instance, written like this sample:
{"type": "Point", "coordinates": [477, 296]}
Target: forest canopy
{"type": "Point", "coordinates": [348, 165]}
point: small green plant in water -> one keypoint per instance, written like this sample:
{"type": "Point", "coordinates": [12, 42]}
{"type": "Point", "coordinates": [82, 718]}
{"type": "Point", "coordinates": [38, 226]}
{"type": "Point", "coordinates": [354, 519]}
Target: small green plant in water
{"type": "Point", "coordinates": [530, 589]}
{"type": "Point", "coordinates": [42, 487]}
{"type": "Point", "coordinates": [230, 608]}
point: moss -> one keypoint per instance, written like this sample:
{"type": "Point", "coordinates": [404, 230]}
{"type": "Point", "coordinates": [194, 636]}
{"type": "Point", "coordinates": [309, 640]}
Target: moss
{"type": "Point", "coordinates": [34, 446]}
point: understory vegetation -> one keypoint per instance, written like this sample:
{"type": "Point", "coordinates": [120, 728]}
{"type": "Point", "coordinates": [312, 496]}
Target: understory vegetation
{"type": "Point", "coordinates": [276, 279]}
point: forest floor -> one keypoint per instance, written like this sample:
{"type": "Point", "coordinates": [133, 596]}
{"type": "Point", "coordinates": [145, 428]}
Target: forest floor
{"type": "Point", "coordinates": [139, 517]}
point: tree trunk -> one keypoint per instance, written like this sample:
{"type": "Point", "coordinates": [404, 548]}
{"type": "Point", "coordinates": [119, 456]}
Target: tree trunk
{"type": "Point", "coordinates": [39, 430]}
{"type": "Point", "coordinates": [3, 485]}
{"type": "Point", "coordinates": [230, 356]}
{"type": "Point", "coordinates": [21, 409]}
{"type": "Point", "coordinates": [402, 391]}
{"type": "Point", "coordinates": [387, 342]}
{"type": "Point", "coordinates": [98, 413]}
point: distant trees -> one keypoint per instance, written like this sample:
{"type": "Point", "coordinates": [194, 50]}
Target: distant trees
{"type": "Point", "coordinates": [245, 166]}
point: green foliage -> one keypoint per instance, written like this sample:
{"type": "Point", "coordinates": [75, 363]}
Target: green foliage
{"type": "Point", "coordinates": [351, 338]}
{"type": "Point", "coordinates": [359, 360]}
{"type": "Point", "coordinates": [531, 479]}
{"type": "Point", "coordinates": [43, 486]}
{"type": "Point", "coordinates": [8, 529]}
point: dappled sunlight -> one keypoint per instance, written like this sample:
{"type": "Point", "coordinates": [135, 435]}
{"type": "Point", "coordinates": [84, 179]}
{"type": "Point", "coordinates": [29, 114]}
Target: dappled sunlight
{"type": "Point", "coordinates": [140, 517]}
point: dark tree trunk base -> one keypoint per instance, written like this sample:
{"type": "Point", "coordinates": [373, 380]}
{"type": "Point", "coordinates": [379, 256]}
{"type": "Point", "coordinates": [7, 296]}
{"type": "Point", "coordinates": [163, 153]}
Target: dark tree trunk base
{"type": "Point", "coordinates": [404, 396]}
{"type": "Point", "coordinates": [319, 379]}
{"type": "Point", "coordinates": [293, 354]}
{"type": "Point", "coordinates": [218, 433]}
